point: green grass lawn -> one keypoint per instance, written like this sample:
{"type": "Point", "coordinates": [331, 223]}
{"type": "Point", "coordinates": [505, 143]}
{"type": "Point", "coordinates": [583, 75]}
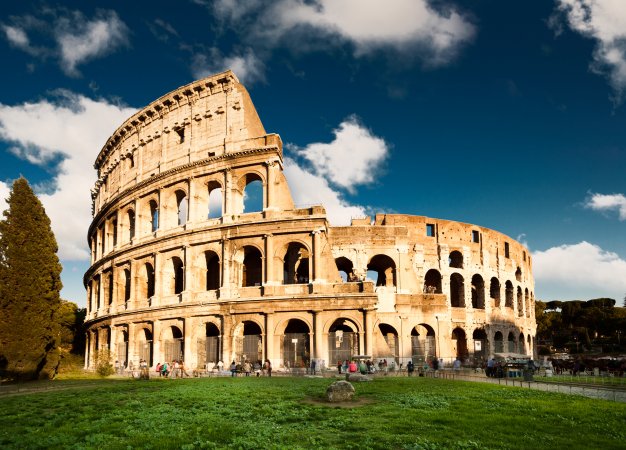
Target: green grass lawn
{"type": "Point", "coordinates": [261, 413]}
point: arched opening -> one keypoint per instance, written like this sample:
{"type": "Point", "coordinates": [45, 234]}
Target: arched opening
{"type": "Point", "coordinates": [215, 200]}
{"type": "Point", "coordinates": [346, 269]}
{"type": "Point", "coordinates": [145, 345]}
{"type": "Point", "coordinates": [110, 289]}
{"type": "Point", "coordinates": [114, 230]}
{"type": "Point", "coordinates": [518, 274]}
{"type": "Point", "coordinates": [343, 340]}
{"type": "Point", "coordinates": [508, 294]}
{"type": "Point", "coordinates": [498, 342]}
{"type": "Point", "coordinates": [385, 269]}
{"type": "Point", "coordinates": [432, 282]}
{"type": "Point", "coordinates": [209, 348]}
{"type": "Point", "coordinates": [178, 278]}
{"type": "Point", "coordinates": [529, 348]}
{"type": "Point", "coordinates": [131, 223]}
{"type": "Point", "coordinates": [181, 207]}
{"type": "Point", "coordinates": [127, 280]}
{"type": "Point", "coordinates": [512, 344]}
{"type": "Point", "coordinates": [520, 302]}
{"type": "Point", "coordinates": [212, 273]}
{"type": "Point", "coordinates": [296, 264]}
{"type": "Point", "coordinates": [423, 344]}
{"type": "Point", "coordinates": [457, 291]}
{"type": "Point", "coordinates": [154, 216]}
{"type": "Point", "coordinates": [296, 349]}
{"type": "Point", "coordinates": [253, 194]}
{"type": "Point", "coordinates": [480, 345]}
{"type": "Point", "coordinates": [494, 292]}
{"type": "Point", "coordinates": [455, 259]}
{"type": "Point", "coordinates": [478, 292]}
{"type": "Point", "coordinates": [459, 343]}
{"type": "Point", "coordinates": [521, 341]}
{"type": "Point", "coordinates": [252, 267]}
{"type": "Point", "coordinates": [149, 279]}
{"type": "Point", "coordinates": [386, 341]}
{"type": "Point", "coordinates": [96, 291]}
{"type": "Point", "coordinates": [248, 342]}
{"type": "Point", "coordinates": [172, 344]}
{"type": "Point", "coordinates": [527, 302]}
{"type": "Point", "coordinates": [122, 348]}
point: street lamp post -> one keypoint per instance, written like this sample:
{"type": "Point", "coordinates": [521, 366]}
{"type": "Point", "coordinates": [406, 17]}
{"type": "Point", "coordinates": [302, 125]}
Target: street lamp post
{"type": "Point", "coordinates": [295, 344]}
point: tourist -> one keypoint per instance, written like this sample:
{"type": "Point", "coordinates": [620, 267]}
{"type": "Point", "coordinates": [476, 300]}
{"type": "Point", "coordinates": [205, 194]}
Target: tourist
{"type": "Point", "coordinates": [165, 370]}
{"type": "Point", "coordinates": [457, 364]}
{"type": "Point", "coordinates": [268, 367]}
{"type": "Point", "coordinates": [257, 368]}
{"type": "Point", "coordinates": [233, 369]}
{"type": "Point", "coordinates": [183, 371]}
{"type": "Point", "coordinates": [410, 368]}
{"type": "Point", "coordinates": [491, 364]}
{"type": "Point", "coordinates": [362, 368]}
{"type": "Point", "coordinates": [312, 367]}
{"type": "Point", "coordinates": [247, 368]}
{"type": "Point", "coordinates": [220, 365]}
{"type": "Point", "coordinates": [339, 367]}
{"type": "Point", "coordinates": [352, 367]}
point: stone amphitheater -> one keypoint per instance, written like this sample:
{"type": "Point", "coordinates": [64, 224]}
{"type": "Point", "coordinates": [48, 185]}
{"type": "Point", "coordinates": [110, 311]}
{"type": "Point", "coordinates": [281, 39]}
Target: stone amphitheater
{"type": "Point", "coordinates": [199, 253]}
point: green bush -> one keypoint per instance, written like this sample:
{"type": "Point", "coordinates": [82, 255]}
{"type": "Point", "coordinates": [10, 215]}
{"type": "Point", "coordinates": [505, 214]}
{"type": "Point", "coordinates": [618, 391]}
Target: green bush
{"type": "Point", "coordinates": [104, 368]}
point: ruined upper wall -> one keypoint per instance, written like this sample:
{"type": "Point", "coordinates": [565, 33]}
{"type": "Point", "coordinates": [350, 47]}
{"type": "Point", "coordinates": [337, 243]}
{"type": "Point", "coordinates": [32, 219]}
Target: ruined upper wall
{"type": "Point", "coordinates": [206, 119]}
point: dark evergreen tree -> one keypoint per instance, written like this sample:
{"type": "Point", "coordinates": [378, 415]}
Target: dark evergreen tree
{"type": "Point", "coordinates": [30, 285]}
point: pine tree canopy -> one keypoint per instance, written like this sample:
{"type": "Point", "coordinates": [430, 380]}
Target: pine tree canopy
{"type": "Point", "coordinates": [30, 285]}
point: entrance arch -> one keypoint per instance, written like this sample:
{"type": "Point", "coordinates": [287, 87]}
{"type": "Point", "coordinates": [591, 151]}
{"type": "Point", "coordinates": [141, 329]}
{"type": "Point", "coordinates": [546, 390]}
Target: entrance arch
{"type": "Point", "coordinates": [480, 344]}
{"type": "Point", "coordinates": [172, 344]}
{"type": "Point", "coordinates": [343, 340]}
{"type": "Point", "coordinates": [145, 345]}
{"type": "Point", "coordinates": [498, 341]}
{"type": "Point", "coordinates": [423, 344]}
{"type": "Point", "coordinates": [460, 343]}
{"type": "Point", "coordinates": [248, 342]}
{"type": "Point", "coordinates": [210, 346]}
{"type": "Point", "coordinates": [296, 345]}
{"type": "Point", "coordinates": [386, 342]}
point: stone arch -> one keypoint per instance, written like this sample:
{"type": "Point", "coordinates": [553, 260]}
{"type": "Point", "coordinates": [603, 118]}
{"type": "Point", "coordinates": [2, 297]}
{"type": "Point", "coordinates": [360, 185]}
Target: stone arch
{"type": "Point", "coordinates": [175, 276]}
{"type": "Point", "coordinates": [521, 344]}
{"type": "Point", "coordinates": [252, 188]}
{"type": "Point", "coordinates": [144, 340]}
{"type": "Point", "coordinates": [209, 344]}
{"type": "Point", "coordinates": [211, 271]}
{"type": "Point", "coordinates": [248, 341]}
{"type": "Point", "coordinates": [386, 342]}
{"type": "Point", "coordinates": [457, 291]}
{"type": "Point", "coordinates": [385, 268]}
{"type": "Point", "coordinates": [252, 266]}
{"type": "Point", "coordinates": [172, 342]}
{"type": "Point", "coordinates": [215, 200]}
{"type": "Point", "coordinates": [423, 343]}
{"type": "Point", "coordinates": [432, 282]}
{"type": "Point", "coordinates": [182, 207]}
{"type": "Point", "coordinates": [508, 294]}
{"type": "Point", "coordinates": [481, 343]}
{"type": "Point", "coordinates": [343, 340]}
{"type": "Point", "coordinates": [296, 264]}
{"type": "Point", "coordinates": [346, 269]}
{"type": "Point", "coordinates": [527, 302]}
{"type": "Point", "coordinates": [459, 343]}
{"type": "Point", "coordinates": [129, 225]}
{"type": "Point", "coordinates": [147, 284]}
{"type": "Point", "coordinates": [455, 259]}
{"type": "Point", "coordinates": [295, 344]}
{"type": "Point", "coordinates": [520, 302]}
{"type": "Point", "coordinates": [518, 274]}
{"type": "Point", "coordinates": [512, 344]}
{"type": "Point", "coordinates": [154, 215]}
{"type": "Point", "coordinates": [494, 291]}
{"type": "Point", "coordinates": [478, 292]}
{"type": "Point", "coordinates": [127, 285]}
{"type": "Point", "coordinates": [498, 342]}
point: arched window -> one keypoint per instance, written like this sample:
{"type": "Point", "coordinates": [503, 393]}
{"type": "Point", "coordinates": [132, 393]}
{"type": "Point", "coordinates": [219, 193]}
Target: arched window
{"type": "Point", "coordinates": [386, 342]}
{"type": "Point", "coordinates": [173, 344]}
{"type": "Point", "coordinates": [520, 302]}
{"type": "Point", "coordinates": [296, 264]}
{"type": "Point", "coordinates": [96, 291]}
{"type": "Point", "coordinates": [252, 267]}
{"type": "Point", "coordinates": [422, 343]}
{"type": "Point", "coordinates": [248, 341]}
{"type": "Point", "coordinates": [215, 200]}
{"type": "Point", "coordinates": [478, 292]}
{"type": "Point", "coordinates": [518, 274]}
{"type": "Point", "coordinates": [212, 344]}
{"type": "Point", "coordinates": [114, 230]}
{"type": "Point", "coordinates": [179, 275]}
{"type": "Point", "coordinates": [149, 280]}
{"type": "Point", "coordinates": [508, 294]}
{"type": "Point", "coordinates": [522, 341]}
{"type": "Point", "coordinates": [131, 223]}
{"type": "Point", "coordinates": [296, 344]}
{"type": "Point", "coordinates": [154, 216]}
{"type": "Point", "coordinates": [457, 291]}
{"type": "Point", "coordinates": [110, 289]}
{"type": "Point", "coordinates": [253, 193]}
{"type": "Point", "coordinates": [432, 282]}
{"type": "Point", "coordinates": [460, 343]}
{"type": "Point", "coordinates": [480, 350]}
{"type": "Point", "coordinates": [494, 291]}
{"type": "Point", "coordinates": [212, 270]}
{"type": "Point", "coordinates": [346, 269]}
{"type": "Point", "coordinates": [343, 340]}
{"type": "Point", "coordinates": [456, 259]}
{"type": "Point", "coordinates": [385, 270]}
{"type": "Point", "coordinates": [527, 302]}
{"type": "Point", "coordinates": [126, 285]}
{"type": "Point", "coordinates": [181, 207]}
{"type": "Point", "coordinates": [498, 342]}
{"type": "Point", "coordinates": [512, 344]}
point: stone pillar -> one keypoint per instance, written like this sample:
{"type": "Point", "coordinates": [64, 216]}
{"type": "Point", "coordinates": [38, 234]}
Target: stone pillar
{"type": "Point", "coordinates": [132, 351]}
{"type": "Point", "coordinates": [192, 202]}
{"type": "Point", "coordinates": [270, 197]}
{"type": "Point", "coordinates": [228, 195]}
{"type": "Point", "coordinates": [269, 259]}
{"type": "Point", "coordinates": [317, 257]}
{"type": "Point", "coordinates": [268, 339]}
{"type": "Point", "coordinates": [318, 335]}
{"type": "Point", "coordinates": [189, 344]}
{"type": "Point", "coordinates": [226, 261]}
{"type": "Point", "coordinates": [114, 333]}
{"type": "Point", "coordinates": [187, 264]}
{"type": "Point", "coordinates": [227, 340]}
{"type": "Point", "coordinates": [156, 341]}
{"type": "Point", "coordinates": [87, 349]}
{"type": "Point", "coordinates": [369, 331]}
{"type": "Point", "coordinates": [158, 279]}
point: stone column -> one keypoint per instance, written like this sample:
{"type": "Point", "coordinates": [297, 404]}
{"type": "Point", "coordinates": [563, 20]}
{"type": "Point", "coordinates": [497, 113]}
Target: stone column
{"type": "Point", "coordinates": [269, 259]}
{"type": "Point", "coordinates": [192, 202]}
{"type": "Point", "coordinates": [187, 264]}
{"type": "Point", "coordinates": [227, 191]}
{"type": "Point", "coordinates": [87, 349]}
{"type": "Point", "coordinates": [132, 351]}
{"type": "Point", "coordinates": [156, 341]}
{"type": "Point", "coordinates": [158, 279]}
{"type": "Point", "coordinates": [270, 200]}
{"type": "Point", "coordinates": [317, 256]}
{"type": "Point", "coordinates": [225, 289]}
{"type": "Point", "coordinates": [189, 344]}
{"type": "Point", "coordinates": [269, 339]}
{"type": "Point", "coordinates": [369, 331]}
{"type": "Point", "coordinates": [114, 333]}
{"type": "Point", "coordinates": [318, 335]}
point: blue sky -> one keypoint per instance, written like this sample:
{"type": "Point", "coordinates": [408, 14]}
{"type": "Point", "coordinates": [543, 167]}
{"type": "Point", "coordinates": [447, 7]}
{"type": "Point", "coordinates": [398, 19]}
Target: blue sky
{"type": "Point", "coordinates": [508, 116]}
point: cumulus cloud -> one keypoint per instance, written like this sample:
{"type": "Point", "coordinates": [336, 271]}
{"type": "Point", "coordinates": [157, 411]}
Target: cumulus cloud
{"type": "Point", "coordinates": [307, 189]}
{"type": "Point", "coordinates": [414, 25]}
{"type": "Point", "coordinates": [68, 36]}
{"type": "Point", "coordinates": [607, 203]}
{"type": "Point", "coordinates": [605, 22]}
{"type": "Point", "coordinates": [246, 65]}
{"type": "Point", "coordinates": [4, 194]}
{"type": "Point", "coordinates": [579, 271]}
{"type": "Point", "coordinates": [354, 157]}
{"type": "Point", "coordinates": [70, 129]}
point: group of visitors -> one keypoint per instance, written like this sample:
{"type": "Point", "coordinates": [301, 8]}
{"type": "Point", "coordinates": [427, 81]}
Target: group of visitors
{"type": "Point", "coordinates": [247, 368]}
{"type": "Point", "coordinates": [175, 369]}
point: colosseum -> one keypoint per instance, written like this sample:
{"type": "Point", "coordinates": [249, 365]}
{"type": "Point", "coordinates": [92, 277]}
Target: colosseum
{"type": "Point", "coordinates": [199, 253]}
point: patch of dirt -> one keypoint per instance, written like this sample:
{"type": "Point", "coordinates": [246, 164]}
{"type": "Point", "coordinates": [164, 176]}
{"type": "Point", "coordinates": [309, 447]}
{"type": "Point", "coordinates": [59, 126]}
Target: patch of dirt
{"type": "Point", "coordinates": [317, 401]}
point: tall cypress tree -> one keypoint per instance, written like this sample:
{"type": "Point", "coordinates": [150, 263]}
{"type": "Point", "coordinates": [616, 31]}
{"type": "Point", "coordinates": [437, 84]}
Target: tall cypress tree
{"type": "Point", "coordinates": [30, 285]}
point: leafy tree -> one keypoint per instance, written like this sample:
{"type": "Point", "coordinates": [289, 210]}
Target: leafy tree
{"type": "Point", "coordinates": [30, 282]}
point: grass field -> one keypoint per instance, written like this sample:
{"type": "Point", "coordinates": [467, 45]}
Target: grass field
{"type": "Point", "coordinates": [262, 413]}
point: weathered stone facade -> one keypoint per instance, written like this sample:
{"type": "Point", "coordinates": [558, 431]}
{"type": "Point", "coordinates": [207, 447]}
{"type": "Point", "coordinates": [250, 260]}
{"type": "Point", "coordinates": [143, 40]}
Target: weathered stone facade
{"type": "Point", "coordinates": [180, 270]}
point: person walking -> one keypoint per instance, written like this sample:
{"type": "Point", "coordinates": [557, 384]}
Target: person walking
{"type": "Point", "coordinates": [233, 369]}
{"type": "Point", "coordinates": [410, 368]}
{"type": "Point", "coordinates": [268, 367]}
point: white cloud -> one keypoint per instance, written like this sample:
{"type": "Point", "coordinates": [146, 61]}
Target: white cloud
{"type": "Point", "coordinates": [369, 25]}
{"type": "Point", "coordinates": [5, 189]}
{"type": "Point", "coordinates": [604, 21]}
{"type": "Point", "coordinates": [354, 157]}
{"type": "Point", "coordinates": [309, 189]}
{"type": "Point", "coordinates": [608, 202]}
{"type": "Point", "coordinates": [71, 128]}
{"type": "Point", "coordinates": [247, 66]}
{"type": "Point", "coordinates": [580, 271]}
{"type": "Point", "coordinates": [68, 36]}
